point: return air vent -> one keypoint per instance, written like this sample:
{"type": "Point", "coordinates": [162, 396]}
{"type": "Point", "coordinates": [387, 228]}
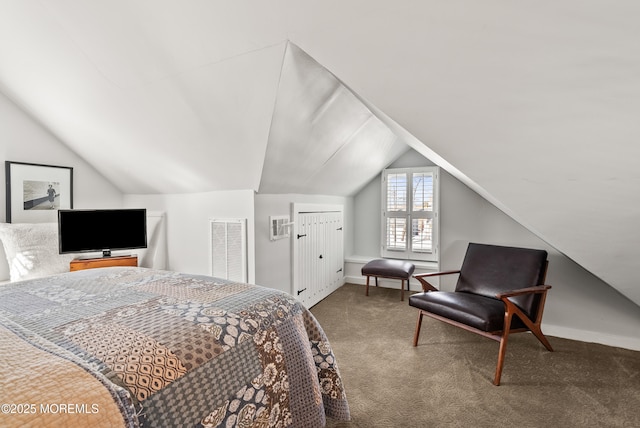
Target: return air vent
{"type": "Point", "coordinates": [229, 249]}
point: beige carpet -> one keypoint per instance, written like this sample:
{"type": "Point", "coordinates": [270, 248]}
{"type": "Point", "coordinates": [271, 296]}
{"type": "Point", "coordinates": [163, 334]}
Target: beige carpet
{"type": "Point", "coordinates": [446, 380]}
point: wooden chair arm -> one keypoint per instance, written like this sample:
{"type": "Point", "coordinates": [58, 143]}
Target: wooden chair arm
{"type": "Point", "coordinates": [532, 321]}
{"type": "Point", "coordinates": [529, 290]}
{"type": "Point", "coordinates": [421, 275]}
{"type": "Point", "coordinates": [425, 284]}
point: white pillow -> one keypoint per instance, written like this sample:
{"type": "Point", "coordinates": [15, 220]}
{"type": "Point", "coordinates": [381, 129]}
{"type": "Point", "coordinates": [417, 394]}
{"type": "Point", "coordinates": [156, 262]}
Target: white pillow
{"type": "Point", "coordinates": [32, 250]}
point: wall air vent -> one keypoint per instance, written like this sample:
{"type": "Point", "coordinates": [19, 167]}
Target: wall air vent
{"type": "Point", "coordinates": [229, 249]}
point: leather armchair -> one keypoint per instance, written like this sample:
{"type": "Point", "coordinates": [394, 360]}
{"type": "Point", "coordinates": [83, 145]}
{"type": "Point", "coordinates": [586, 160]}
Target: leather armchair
{"type": "Point", "coordinates": [500, 290]}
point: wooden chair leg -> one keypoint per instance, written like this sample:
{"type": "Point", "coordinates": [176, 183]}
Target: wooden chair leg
{"type": "Point", "coordinates": [366, 290]}
{"type": "Point", "coordinates": [533, 326]}
{"type": "Point", "coordinates": [501, 354]}
{"type": "Point", "coordinates": [402, 291]}
{"type": "Point", "coordinates": [416, 334]}
{"type": "Point", "coordinates": [542, 338]}
{"type": "Point", "coordinates": [508, 315]}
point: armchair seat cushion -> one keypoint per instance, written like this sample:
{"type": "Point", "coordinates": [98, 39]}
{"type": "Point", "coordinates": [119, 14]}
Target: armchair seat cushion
{"type": "Point", "coordinates": [483, 313]}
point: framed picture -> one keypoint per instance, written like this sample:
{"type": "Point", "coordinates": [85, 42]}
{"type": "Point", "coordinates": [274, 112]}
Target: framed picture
{"type": "Point", "coordinates": [36, 192]}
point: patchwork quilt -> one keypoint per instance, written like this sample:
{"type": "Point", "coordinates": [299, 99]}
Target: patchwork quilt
{"type": "Point", "coordinates": [135, 347]}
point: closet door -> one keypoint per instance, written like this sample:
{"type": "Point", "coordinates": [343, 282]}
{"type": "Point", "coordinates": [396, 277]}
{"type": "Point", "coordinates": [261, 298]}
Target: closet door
{"type": "Point", "coordinates": [318, 255]}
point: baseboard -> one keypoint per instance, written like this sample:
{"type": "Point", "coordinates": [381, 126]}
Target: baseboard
{"type": "Point", "coordinates": [632, 343]}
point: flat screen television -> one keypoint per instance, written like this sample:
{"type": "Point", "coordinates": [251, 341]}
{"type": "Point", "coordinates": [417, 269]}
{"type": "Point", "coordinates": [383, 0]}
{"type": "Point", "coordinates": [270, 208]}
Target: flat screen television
{"type": "Point", "coordinates": [105, 230]}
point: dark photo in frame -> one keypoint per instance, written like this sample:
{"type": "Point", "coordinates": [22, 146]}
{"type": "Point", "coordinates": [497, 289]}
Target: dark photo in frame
{"type": "Point", "coordinates": [36, 192]}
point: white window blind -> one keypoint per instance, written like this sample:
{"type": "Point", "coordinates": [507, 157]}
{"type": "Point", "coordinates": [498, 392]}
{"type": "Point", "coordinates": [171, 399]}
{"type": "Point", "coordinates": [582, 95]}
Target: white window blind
{"type": "Point", "coordinates": [410, 213]}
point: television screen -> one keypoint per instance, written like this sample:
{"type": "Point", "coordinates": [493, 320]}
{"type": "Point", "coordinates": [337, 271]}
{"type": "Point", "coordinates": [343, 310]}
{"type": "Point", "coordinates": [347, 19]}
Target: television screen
{"type": "Point", "coordinates": [101, 230]}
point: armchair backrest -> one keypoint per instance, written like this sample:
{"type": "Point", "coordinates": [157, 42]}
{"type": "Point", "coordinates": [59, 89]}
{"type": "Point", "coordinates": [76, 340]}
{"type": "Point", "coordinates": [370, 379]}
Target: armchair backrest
{"type": "Point", "coordinates": [491, 269]}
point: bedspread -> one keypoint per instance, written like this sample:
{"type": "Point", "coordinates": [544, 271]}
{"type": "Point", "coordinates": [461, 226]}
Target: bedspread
{"type": "Point", "coordinates": [139, 347]}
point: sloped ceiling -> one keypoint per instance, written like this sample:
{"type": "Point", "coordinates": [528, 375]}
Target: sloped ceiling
{"type": "Point", "coordinates": [161, 97]}
{"type": "Point", "coordinates": [533, 104]}
{"type": "Point", "coordinates": [323, 139]}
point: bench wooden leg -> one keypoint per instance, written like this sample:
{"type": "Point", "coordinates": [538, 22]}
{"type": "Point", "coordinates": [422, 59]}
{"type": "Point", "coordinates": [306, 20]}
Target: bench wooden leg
{"type": "Point", "coordinates": [366, 292]}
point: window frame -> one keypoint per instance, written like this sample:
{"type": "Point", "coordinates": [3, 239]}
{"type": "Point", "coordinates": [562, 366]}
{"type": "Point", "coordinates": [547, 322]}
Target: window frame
{"type": "Point", "coordinates": [408, 215]}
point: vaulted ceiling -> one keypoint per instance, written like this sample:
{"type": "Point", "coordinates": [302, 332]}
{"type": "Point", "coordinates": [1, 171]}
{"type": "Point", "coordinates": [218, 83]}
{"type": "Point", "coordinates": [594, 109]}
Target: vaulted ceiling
{"type": "Point", "coordinates": [323, 139]}
{"type": "Point", "coordinates": [532, 104]}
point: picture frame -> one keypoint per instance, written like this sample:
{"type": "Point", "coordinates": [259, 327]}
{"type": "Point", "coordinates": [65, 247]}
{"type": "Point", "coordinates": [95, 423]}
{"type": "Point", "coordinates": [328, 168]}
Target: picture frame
{"type": "Point", "coordinates": [35, 192]}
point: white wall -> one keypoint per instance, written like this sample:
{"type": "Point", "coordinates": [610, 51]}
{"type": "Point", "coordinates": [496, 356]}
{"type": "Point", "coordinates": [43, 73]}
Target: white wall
{"type": "Point", "coordinates": [273, 258]}
{"type": "Point", "coordinates": [579, 306]}
{"type": "Point", "coordinates": [187, 225]}
{"type": "Point", "coordinates": [23, 140]}
{"type": "Point", "coordinates": [187, 242]}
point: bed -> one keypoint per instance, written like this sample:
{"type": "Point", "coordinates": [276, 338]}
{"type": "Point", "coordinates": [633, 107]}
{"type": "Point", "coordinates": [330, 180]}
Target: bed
{"type": "Point", "coordinates": [138, 347]}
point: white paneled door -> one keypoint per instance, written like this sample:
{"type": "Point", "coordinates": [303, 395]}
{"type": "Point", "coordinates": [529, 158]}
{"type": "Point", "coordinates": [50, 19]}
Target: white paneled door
{"type": "Point", "coordinates": [318, 255]}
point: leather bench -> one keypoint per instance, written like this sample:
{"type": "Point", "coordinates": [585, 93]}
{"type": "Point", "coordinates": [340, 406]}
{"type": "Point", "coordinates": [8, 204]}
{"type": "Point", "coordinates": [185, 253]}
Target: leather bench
{"type": "Point", "coordinates": [390, 269]}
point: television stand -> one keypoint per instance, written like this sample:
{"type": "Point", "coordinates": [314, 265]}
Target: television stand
{"type": "Point", "coordinates": [98, 262]}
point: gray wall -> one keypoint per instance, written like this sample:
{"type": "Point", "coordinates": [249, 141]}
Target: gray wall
{"type": "Point", "coordinates": [24, 140]}
{"type": "Point", "coordinates": [579, 306]}
{"type": "Point", "coordinates": [187, 225]}
{"type": "Point", "coordinates": [273, 258]}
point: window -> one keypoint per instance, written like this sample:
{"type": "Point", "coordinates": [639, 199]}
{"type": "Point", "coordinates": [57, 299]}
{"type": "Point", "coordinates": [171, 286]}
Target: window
{"type": "Point", "coordinates": [410, 213]}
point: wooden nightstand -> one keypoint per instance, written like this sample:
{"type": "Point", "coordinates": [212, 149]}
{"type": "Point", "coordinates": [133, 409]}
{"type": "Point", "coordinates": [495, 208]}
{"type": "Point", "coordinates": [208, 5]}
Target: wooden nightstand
{"type": "Point", "coordinates": [79, 264]}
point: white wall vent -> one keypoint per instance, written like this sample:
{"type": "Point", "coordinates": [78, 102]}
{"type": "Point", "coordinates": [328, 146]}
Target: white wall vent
{"type": "Point", "coordinates": [229, 249]}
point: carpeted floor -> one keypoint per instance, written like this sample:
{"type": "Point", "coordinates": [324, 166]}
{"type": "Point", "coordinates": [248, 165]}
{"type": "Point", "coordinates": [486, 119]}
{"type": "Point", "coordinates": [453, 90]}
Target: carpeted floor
{"type": "Point", "coordinates": [446, 380]}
